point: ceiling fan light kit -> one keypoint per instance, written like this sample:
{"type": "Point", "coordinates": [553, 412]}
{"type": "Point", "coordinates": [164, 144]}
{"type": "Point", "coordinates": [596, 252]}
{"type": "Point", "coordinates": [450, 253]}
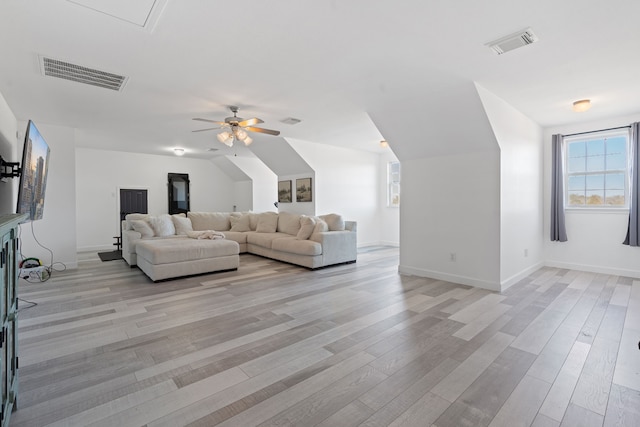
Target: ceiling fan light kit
{"type": "Point", "coordinates": [236, 128]}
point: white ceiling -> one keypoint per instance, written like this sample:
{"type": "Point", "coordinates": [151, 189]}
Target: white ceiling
{"type": "Point", "coordinates": [329, 63]}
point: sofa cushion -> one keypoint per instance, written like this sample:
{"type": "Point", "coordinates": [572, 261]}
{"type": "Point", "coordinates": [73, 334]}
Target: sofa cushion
{"type": "Point", "coordinates": [240, 222]}
{"type": "Point", "coordinates": [288, 223]}
{"type": "Point", "coordinates": [218, 221]}
{"type": "Point", "coordinates": [236, 236]}
{"type": "Point", "coordinates": [299, 247]}
{"type": "Point", "coordinates": [264, 239]}
{"type": "Point", "coordinates": [182, 224]}
{"type": "Point", "coordinates": [307, 225]}
{"type": "Point", "coordinates": [253, 220]}
{"type": "Point", "coordinates": [142, 227]}
{"type": "Point", "coordinates": [162, 225]}
{"type": "Point", "coordinates": [267, 222]}
{"type": "Point", "coordinates": [166, 251]}
{"type": "Point", "coordinates": [334, 221]}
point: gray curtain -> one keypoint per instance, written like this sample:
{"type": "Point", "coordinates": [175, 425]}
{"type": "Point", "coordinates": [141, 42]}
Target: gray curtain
{"type": "Point", "coordinates": [558, 229]}
{"type": "Point", "coordinates": [633, 230]}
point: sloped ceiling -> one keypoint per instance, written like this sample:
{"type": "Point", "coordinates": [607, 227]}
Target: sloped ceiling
{"type": "Point", "coordinates": [325, 62]}
{"type": "Point", "coordinates": [280, 157]}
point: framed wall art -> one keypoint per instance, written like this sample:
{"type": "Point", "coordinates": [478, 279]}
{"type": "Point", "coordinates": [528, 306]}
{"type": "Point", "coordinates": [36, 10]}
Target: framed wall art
{"type": "Point", "coordinates": [284, 192]}
{"type": "Point", "coordinates": [303, 190]}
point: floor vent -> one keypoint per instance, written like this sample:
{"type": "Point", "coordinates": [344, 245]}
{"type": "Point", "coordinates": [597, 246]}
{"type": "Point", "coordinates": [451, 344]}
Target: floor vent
{"type": "Point", "coordinates": [80, 74]}
{"type": "Point", "coordinates": [513, 41]}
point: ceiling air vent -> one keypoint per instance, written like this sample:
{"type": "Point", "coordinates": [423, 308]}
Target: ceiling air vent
{"type": "Point", "coordinates": [80, 74]}
{"type": "Point", "coordinates": [291, 121]}
{"type": "Point", "coordinates": [513, 41]}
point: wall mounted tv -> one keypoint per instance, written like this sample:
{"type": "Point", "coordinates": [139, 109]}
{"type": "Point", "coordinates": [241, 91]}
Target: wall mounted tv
{"type": "Point", "coordinates": [33, 179]}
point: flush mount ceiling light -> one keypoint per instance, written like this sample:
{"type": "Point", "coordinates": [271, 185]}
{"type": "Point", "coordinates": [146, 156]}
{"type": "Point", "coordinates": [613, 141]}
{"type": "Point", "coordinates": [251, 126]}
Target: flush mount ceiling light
{"type": "Point", "coordinates": [384, 144]}
{"type": "Point", "coordinates": [178, 151]}
{"type": "Point", "coordinates": [235, 128]}
{"type": "Point", "coordinates": [581, 105]}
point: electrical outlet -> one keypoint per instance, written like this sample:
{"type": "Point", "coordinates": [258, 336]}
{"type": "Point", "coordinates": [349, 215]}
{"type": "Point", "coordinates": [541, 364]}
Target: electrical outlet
{"type": "Point", "coordinates": [452, 257]}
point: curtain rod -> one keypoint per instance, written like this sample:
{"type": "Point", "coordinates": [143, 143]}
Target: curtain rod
{"type": "Point", "coordinates": [595, 131]}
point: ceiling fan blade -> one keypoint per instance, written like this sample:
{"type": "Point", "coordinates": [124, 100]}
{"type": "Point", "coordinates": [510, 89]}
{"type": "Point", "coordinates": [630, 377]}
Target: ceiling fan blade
{"type": "Point", "coordinates": [210, 121]}
{"type": "Point", "coordinates": [250, 122]}
{"type": "Point", "coordinates": [203, 130]}
{"type": "Point", "coordinates": [261, 130]}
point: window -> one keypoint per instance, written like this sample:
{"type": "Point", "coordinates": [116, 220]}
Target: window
{"type": "Point", "coordinates": [596, 172]}
{"type": "Point", "coordinates": [393, 184]}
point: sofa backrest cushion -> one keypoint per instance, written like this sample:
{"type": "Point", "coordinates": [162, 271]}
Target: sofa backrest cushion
{"type": "Point", "coordinates": [307, 225]}
{"type": "Point", "coordinates": [289, 223]}
{"type": "Point", "coordinates": [334, 221]}
{"type": "Point", "coordinates": [321, 226]}
{"type": "Point", "coordinates": [218, 221]}
{"type": "Point", "coordinates": [267, 222]}
{"type": "Point", "coordinates": [182, 224]}
{"type": "Point", "coordinates": [162, 225]}
{"type": "Point", "coordinates": [240, 222]}
{"type": "Point", "coordinates": [253, 221]}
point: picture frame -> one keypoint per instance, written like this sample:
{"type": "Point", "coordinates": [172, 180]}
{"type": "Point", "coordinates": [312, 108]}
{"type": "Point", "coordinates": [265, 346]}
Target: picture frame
{"type": "Point", "coordinates": [284, 192]}
{"type": "Point", "coordinates": [304, 191]}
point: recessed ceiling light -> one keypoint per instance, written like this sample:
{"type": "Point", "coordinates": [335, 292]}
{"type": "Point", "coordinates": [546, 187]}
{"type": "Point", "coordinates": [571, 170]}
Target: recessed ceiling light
{"type": "Point", "coordinates": [581, 105]}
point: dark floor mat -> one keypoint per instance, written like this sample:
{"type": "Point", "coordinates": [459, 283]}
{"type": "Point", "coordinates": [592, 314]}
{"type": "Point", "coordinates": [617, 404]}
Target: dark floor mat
{"type": "Point", "coordinates": [110, 256]}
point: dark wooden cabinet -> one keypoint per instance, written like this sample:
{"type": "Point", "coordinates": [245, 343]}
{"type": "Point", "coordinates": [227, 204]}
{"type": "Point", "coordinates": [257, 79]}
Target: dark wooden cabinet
{"type": "Point", "coordinates": [9, 314]}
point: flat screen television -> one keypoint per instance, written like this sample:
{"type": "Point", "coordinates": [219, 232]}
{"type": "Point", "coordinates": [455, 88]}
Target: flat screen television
{"type": "Point", "coordinates": [33, 179]}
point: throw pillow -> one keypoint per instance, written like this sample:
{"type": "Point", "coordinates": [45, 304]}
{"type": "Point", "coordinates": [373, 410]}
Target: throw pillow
{"type": "Point", "coordinates": [240, 223]}
{"type": "Point", "coordinates": [253, 221]}
{"type": "Point", "coordinates": [321, 226]}
{"type": "Point", "coordinates": [142, 227]}
{"type": "Point", "coordinates": [334, 221]}
{"type": "Point", "coordinates": [289, 223]}
{"type": "Point", "coordinates": [182, 224]}
{"type": "Point", "coordinates": [267, 222]}
{"type": "Point", "coordinates": [162, 225]}
{"type": "Point", "coordinates": [308, 224]}
{"type": "Point", "coordinates": [134, 216]}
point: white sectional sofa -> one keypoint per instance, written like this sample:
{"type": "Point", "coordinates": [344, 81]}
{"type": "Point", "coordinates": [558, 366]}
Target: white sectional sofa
{"type": "Point", "coordinates": [307, 241]}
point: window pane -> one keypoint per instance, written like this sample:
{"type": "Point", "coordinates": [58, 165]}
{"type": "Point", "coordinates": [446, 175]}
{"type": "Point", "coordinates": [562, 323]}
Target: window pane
{"type": "Point", "coordinates": [595, 197]}
{"type": "Point", "coordinates": [595, 156]}
{"type": "Point", "coordinates": [576, 158]}
{"type": "Point", "coordinates": [576, 198]}
{"type": "Point", "coordinates": [595, 182]}
{"type": "Point", "coordinates": [614, 181]}
{"type": "Point", "coordinates": [576, 182]}
{"type": "Point", "coordinates": [616, 153]}
{"type": "Point", "coordinates": [615, 198]}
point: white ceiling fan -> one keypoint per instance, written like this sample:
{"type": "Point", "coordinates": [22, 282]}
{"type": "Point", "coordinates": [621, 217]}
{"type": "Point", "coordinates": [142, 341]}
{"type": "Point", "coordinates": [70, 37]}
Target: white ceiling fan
{"type": "Point", "coordinates": [236, 128]}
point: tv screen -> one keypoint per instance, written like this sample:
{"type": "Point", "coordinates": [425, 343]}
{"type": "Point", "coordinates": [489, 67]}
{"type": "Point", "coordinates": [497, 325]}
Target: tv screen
{"type": "Point", "coordinates": [33, 179]}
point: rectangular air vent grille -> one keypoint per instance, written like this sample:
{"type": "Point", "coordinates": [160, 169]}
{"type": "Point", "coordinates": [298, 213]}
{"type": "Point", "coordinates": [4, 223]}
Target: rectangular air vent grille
{"type": "Point", "coordinates": [291, 121]}
{"type": "Point", "coordinates": [80, 74]}
{"type": "Point", "coordinates": [513, 41]}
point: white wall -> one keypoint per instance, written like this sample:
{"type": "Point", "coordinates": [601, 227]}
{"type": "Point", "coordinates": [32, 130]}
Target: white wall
{"type": "Point", "coordinates": [594, 238]}
{"type": "Point", "coordinates": [243, 196]}
{"type": "Point", "coordinates": [389, 216]}
{"type": "Point", "coordinates": [101, 174]}
{"type": "Point", "coordinates": [264, 181]}
{"type": "Point", "coordinates": [56, 230]}
{"type": "Point", "coordinates": [521, 215]}
{"type": "Point", "coordinates": [9, 152]}
{"type": "Point", "coordinates": [346, 182]}
{"type": "Point", "coordinates": [451, 205]}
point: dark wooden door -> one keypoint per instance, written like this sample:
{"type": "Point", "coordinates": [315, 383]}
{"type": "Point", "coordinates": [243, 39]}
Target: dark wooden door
{"type": "Point", "coordinates": [132, 201]}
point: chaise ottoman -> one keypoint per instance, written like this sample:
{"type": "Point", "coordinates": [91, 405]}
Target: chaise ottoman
{"type": "Point", "coordinates": [168, 258]}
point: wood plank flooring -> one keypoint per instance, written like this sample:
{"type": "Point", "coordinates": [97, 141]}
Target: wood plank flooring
{"type": "Point", "coordinates": [273, 344]}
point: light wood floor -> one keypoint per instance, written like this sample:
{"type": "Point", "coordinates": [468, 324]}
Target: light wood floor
{"type": "Point", "coordinates": [353, 345]}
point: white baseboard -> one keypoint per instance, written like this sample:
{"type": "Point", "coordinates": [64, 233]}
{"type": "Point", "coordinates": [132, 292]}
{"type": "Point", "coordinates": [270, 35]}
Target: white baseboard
{"type": "Point", "coordinates": [594, 269]}
{"type": "Point", "coordinates": [378, 243]}
{"type": "Point", "coordinates": [521, 275]}
{"type": "Point", "coordinates": [454, 278]}
{"type": "Point", "coordinates": [102, 248]}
